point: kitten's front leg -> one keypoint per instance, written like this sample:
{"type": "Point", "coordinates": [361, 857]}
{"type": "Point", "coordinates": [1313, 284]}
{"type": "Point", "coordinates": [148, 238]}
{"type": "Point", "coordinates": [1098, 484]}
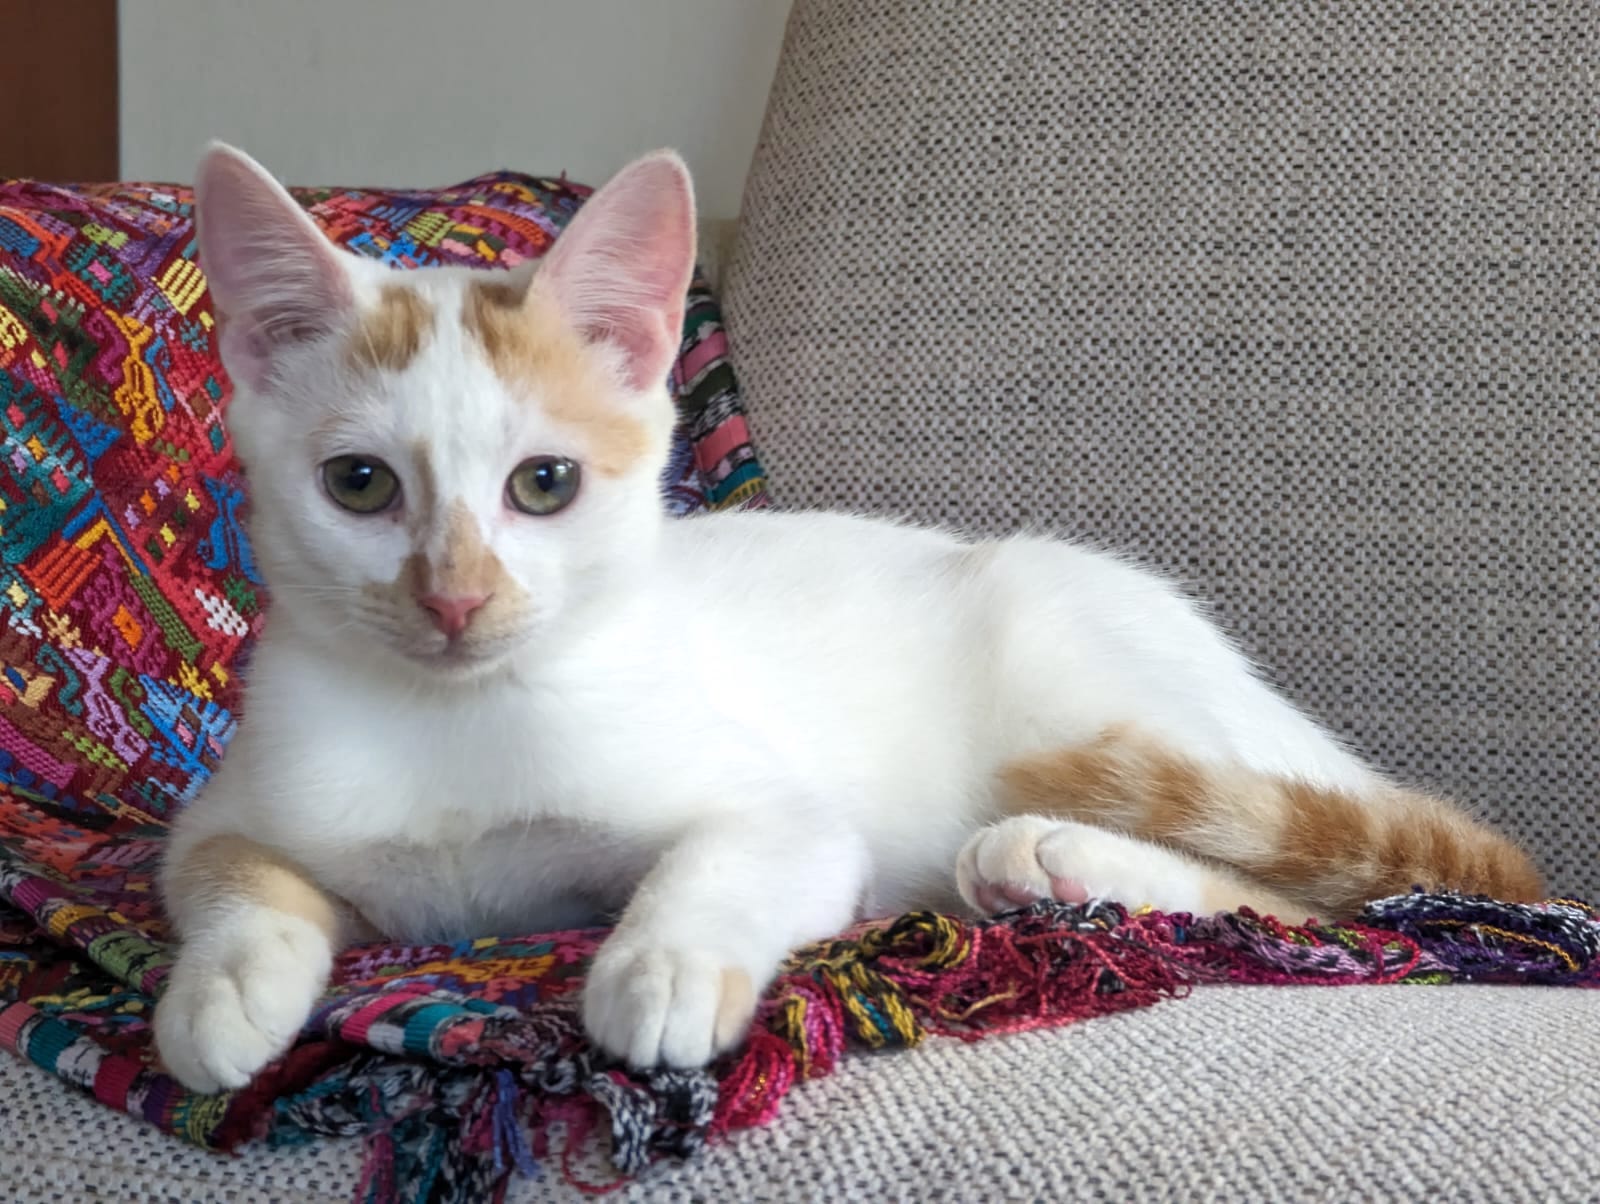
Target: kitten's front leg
{"type": "Point", "coordinates": [678, 981]}
{"type": "Point", "coordinates": [258, 942]}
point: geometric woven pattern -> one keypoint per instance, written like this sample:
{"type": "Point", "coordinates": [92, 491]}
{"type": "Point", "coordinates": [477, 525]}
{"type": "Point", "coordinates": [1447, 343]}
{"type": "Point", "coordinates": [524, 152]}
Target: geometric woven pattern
{"type": "Point", "coordinates": [130, 595]}
{"type": "Point", "coordinates": [126, 575]}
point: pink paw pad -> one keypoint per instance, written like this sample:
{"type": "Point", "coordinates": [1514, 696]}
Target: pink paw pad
{"type": "Point", "coordinates": [1069, 890]}
{"type": "Point", "coordinates": [1003, 896]}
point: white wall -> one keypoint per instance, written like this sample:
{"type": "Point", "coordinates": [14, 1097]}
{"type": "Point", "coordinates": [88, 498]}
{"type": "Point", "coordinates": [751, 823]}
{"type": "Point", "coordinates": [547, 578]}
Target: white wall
{"type": "Point", "coordinates": [425, 92]}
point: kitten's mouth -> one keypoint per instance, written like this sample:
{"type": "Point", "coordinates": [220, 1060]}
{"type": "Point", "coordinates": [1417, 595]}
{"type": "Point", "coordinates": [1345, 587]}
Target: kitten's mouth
{"type": "Point", "coordinates": [453, 656]}
{"type": "Point", "coordinates": [459, 654]}
{"type": "Point", "coordinates": [461, 657]}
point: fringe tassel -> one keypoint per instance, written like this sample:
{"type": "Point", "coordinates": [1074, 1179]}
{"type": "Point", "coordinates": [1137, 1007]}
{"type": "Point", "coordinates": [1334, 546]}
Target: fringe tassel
{"type": "Point", "coordinates": [442, 1133]}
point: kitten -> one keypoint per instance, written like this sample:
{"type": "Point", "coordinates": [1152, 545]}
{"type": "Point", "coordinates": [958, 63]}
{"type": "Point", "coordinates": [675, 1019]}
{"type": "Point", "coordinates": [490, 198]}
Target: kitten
{"type": "Point", "coordinates": [499, 692]}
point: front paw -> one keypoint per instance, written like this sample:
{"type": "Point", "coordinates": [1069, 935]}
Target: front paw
{"type": "Point", "coordinates": [237, 998]}
{"type": "Point", "coordinates": [653, 1005]}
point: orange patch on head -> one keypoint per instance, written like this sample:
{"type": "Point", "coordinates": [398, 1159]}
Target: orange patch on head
{"type": "Point", "coordinates": [390, 333]}
{"type": "Point", "coordinates": [534, 349]}
{"type": "Point", "coordinates": [493, 314]}
{"type": "Point", "coordinates": [423, 500]}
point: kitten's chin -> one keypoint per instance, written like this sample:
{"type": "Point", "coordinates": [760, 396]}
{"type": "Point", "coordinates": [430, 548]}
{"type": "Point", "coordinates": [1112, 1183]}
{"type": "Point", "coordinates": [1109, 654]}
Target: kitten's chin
{"type": "Point", "coordinates": [459, 661]}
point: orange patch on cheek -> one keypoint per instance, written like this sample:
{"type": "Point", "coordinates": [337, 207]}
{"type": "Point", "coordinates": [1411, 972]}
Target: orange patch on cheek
{"type": "Point", "coordinates": [535, 351]}
{"type": "Point", "coordinates": [390, 334]}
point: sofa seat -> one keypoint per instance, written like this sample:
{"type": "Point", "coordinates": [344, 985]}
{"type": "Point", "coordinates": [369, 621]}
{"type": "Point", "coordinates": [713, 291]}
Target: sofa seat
{"type": "Point", "coordinates": [1457, 1093]}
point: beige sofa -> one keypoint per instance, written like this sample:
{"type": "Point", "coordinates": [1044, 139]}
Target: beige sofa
{"type": "Point", "coordinates": [1301, 302]}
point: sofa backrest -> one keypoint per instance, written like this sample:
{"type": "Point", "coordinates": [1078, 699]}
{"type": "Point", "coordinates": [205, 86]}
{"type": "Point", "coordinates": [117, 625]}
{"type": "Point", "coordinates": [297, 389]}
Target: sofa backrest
{"type": "Point", "coordinates": [1300, 302]}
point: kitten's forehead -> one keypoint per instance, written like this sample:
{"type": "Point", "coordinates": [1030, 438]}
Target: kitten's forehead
{"type": "Point", "coordinates": [434, 332]}
{"type": "Point", "coordinates": [390, 332]}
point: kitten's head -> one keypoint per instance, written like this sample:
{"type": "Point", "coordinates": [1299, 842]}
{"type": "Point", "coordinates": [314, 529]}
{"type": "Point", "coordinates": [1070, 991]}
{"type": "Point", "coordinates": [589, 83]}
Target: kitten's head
{"type": "Point", "coordinates": [444, 463]}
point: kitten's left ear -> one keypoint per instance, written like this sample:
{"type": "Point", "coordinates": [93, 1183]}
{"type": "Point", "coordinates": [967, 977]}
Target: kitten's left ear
{"type": "Point", "coordinates": [621, 268]}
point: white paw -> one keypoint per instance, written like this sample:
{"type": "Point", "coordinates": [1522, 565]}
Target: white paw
{"type": "Point", "coordinates": [1018, 860]}
{"type": "Point", "coordinates": [238, 996]}
{"type": "Point", "coordinates": [653, 1005]}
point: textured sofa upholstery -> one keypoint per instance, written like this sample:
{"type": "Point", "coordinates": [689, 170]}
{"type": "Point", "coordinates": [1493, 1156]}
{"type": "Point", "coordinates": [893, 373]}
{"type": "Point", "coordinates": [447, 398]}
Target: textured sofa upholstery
{"type": "Point", "coordinates": [1245, 1094]}
{"type": "Point", "coordinates": [1299, 302]}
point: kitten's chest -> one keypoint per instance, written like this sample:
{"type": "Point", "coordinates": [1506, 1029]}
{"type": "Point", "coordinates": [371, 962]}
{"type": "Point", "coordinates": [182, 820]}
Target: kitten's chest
{"type": "Point", "coordinates": [473, 770]}
{"type": "Point", "coordinates": [529, 877]}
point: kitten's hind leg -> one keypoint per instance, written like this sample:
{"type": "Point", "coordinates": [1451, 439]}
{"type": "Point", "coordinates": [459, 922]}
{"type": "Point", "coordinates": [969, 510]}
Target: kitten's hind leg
{"type": "Point", "coordinates": [1027, 857]}
{"type": "Point", "coordinates": [1334, 847]}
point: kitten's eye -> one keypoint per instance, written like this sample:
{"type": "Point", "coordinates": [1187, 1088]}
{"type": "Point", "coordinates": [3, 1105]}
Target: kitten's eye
{"type": "Point", "coordinates": [543, 484]}
{"type": "Point", "coordinates": [360, 483]}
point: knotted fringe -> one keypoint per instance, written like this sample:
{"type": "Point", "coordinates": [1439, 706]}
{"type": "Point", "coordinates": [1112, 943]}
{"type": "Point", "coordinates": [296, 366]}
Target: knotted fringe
{"type": "Point", "coordinates": [450, 1133]}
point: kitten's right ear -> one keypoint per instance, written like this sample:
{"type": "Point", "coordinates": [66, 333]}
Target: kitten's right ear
{"type": "Point", "coordinates": [275, 280]}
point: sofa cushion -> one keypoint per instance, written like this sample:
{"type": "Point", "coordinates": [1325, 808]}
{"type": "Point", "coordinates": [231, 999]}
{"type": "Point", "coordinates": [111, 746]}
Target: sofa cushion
{"type": "Point", "coordinates": [1471, 1093]}
{"type": "Point", "coordinates": [1297, 302]}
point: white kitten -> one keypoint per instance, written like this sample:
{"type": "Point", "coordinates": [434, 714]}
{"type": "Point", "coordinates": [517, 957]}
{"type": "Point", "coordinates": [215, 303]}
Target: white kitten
{"type": "Point", "coordinates": [500, 693]}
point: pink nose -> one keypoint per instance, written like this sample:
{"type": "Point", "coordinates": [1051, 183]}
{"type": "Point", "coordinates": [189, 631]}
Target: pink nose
{"type": "Point", "coordinates": [451, 614]}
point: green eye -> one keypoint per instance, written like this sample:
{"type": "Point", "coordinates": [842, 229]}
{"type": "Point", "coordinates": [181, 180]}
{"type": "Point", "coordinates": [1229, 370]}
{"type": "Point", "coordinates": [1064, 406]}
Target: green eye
{"type": "Point", "coordinates": [543, 484]}
{"type": "Point", "coordinates": [360, 483]}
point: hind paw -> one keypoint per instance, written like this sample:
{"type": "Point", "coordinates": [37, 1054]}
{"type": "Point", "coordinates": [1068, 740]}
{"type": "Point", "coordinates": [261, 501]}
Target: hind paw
{"type": "Point", "coordinates": [1019, 860]}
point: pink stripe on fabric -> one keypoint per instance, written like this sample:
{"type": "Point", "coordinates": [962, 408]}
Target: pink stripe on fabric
{"type": "Point", "coordinates": [32, 757]}
{"type": "Point", "coordinates": [714, 347]}
{"type": "Point", "coordinates": [359, 1023]}
{"type": "Point", "coordinates": [731, 434]}
{"type": "Point", "coordinates": [11, 1021]}
{"type": "Point", "coordinates": [32, 893]}
{"type": "Point", "coordinates": [114, 1080]}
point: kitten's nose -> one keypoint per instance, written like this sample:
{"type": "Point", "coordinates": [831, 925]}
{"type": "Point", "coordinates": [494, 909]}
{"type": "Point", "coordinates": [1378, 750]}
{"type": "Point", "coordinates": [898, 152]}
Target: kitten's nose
{"type": "Point", "coordinates": [451, 614]}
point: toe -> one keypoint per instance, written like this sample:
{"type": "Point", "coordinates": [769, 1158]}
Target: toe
{"type": "Point", "coordinates": [1068, 890]}
{"type": "Point", "coordinates": [687, 1030]}
{"type": "Point", "coordinates": [1018, 896]}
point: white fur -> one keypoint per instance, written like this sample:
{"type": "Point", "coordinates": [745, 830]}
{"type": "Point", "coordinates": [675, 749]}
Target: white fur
{"type": "Point", "coordinates": [737, 732]}
{"type": "Point", "coordinates": [243, 988]}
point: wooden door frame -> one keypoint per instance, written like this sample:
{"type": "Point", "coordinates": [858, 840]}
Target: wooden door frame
{"type": "Point", "coordinates": [60, 105]}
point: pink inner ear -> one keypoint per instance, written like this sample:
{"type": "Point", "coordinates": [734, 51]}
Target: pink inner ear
{"type": "Point", "coordinates": [621, 269]}
{"type": "Point", "coordinates": [275, 279]}
{"type": "Point", "coordinates": [648, 345]}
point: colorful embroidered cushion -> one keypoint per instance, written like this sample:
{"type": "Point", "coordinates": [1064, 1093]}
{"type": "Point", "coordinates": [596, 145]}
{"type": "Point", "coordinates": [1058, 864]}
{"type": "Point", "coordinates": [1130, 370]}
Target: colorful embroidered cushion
{"type": "Point", "coordinates": [128, 582]}
{"type": "Point", "coordinates": [130, 591]}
